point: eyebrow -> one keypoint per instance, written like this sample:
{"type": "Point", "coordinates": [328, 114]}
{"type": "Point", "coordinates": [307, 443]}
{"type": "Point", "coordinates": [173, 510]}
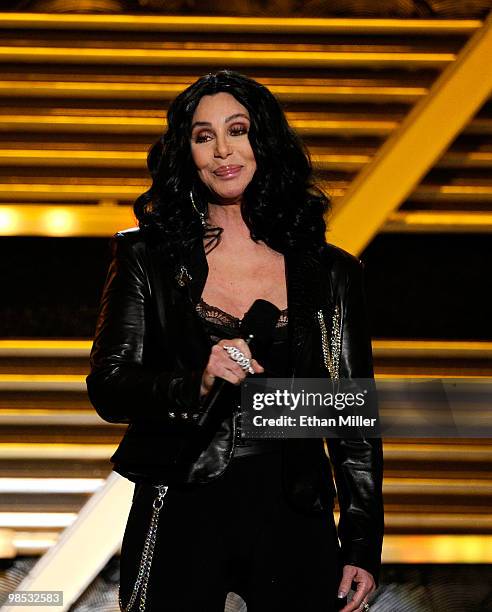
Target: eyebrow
{"type": "Point", "coordinates": [207, 123]}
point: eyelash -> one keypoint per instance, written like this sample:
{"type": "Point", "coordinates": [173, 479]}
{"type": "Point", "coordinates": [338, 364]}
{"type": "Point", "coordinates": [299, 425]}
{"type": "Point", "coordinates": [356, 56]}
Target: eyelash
{"type": "Point", "coordinates": [234, 131]}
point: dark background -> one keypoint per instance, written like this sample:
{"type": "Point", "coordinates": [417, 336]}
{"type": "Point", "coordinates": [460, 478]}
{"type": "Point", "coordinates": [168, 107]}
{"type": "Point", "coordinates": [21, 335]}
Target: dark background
{"type": "Point", "coordinates": [418, 286]}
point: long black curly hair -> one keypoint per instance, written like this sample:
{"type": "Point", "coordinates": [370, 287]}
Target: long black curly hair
{"type": "Point", "coordinates": [280, 205]}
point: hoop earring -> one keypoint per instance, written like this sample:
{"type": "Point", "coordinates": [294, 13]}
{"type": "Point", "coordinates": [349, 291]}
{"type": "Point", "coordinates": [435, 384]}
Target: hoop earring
{"type": "Point", "coordinates": [202, 215]}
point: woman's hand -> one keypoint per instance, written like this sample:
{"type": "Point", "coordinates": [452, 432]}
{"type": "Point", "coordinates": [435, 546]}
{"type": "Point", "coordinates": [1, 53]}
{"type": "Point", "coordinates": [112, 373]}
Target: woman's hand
{"type": "Point", "coordinates": [220, 364]}
{"type": "Point", "coordinates": [365, 585]}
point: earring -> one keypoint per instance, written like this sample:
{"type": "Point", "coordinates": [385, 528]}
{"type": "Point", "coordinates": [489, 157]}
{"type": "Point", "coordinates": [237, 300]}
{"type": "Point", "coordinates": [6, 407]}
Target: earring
{"type": "Point", "coordinates": [202, 215]}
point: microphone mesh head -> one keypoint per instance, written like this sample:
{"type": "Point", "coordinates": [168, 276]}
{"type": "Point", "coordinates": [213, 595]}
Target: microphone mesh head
{"type": "Point", "coordinates": [259, 322]}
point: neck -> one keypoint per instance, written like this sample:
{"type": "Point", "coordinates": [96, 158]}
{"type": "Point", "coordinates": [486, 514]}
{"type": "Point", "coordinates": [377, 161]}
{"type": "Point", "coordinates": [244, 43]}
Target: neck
{"type": "Point", "coordinates": [227, 216]}
{"type": "Point", "coordinates": [236, 234]}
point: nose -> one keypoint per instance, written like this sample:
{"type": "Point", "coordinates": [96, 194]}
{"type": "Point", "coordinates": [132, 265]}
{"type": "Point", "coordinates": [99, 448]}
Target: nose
{"type": "Point", "coordinates": [222, 146]}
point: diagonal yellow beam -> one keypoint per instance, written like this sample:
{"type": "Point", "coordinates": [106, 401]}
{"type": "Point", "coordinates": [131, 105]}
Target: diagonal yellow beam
{"type": "Point", "coordinates": [415, 146]}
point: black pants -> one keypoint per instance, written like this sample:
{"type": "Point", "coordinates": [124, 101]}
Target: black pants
{"type": "Point", "coordinates": [237, 534]}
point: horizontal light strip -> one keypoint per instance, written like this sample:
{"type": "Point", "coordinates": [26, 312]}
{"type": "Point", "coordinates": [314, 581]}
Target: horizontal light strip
{"type": "Point", "coordinates": [418, 450]}
{"type": "Point", "coordinates": [72, 382]}
{"type": "Point", "coordinates": [213, 24]}
{"type": "Point", "coordinates": [231, 56]}
{"type": "Point", "coordinates": [355, 161]}
{"type": "Point", "coordinates": [32, 543]}
{"type": "Point", "coordinates": [479, 125]}
{"type": "Point", "coordinates": [42, 378]}
{"type": "Point", "coordinates": [438, 520]}
{"type": "Point", "coordinates": [100, 220]}
{"type": "Point", "coordinates": [48, 220]}
{"type": "Point", "coordinates": [476, 378]}
{"type": "Point", "coordinates": [58, 192]}
{"type": "Point", "coordinates": [39, 520]}
{"type": "Point", "coordinates": [45, 348]}
{"type": "Point", "coordinates": [466, 159]}
{"type": "Point", "coordinates": [161, 92]}
{"type": "Point", "coordinates": [415, 450]}
{"type": "Point", "coordinates": [127, 189]}
{"type": "Point", "coordinates": [120, 123]}
{"type": "Point", "coordinates": [70, 156]}
{"type": "Point", "coordinates": [44, 417]}
{"type": "Point", "coordinates": [468, 192]}
{"type": "Point", "coordinates": [392, 520]}
{"type": "Point", "coordinates": [427, 193]}
{"type": "Point", "coordinates": [437, 549]}
{"type": "Point", "coordinates": [50, 485]}
{"type": "Point", "coordinates": [136, 159]}
{"type": "Point", "coordinates": [433, 486]}
{"type": "Point", "coordinates": [392, 486]}
{"type": "Point", "coordinates": [431, 348]}
{"type": "Point", "coordinates": [42, 382]}
{"type": "Point", "coordinates": [413, 348]}
{"type": "Point", "coordinates": [396, 548]}
{"type": "Point", "coordinates": [90, 419]}
{"type": "Point", "coordinates": [437, 221]}
{"type": "Point", "coordinates": [48, 451]}
{"type": "Point", "coordinates": [79, 123]}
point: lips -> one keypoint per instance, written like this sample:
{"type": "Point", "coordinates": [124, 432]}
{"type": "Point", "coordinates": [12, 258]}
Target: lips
{"type": "Point", "coordinates": [225, 171]}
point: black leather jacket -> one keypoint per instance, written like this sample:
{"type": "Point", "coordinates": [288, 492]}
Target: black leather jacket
{"type": "Point", "coordinates": [150, 350]}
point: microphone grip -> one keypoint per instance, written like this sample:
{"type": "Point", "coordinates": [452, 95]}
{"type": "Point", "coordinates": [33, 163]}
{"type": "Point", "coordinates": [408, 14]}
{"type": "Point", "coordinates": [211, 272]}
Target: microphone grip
{"type": "Point", "coordinates": [211, 399]}
{"type": "Point", "coordinates": [215, 392]}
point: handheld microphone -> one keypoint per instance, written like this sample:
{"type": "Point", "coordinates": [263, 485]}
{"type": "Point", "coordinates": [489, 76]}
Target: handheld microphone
{"type": "Point", "coordinates": [257, 327]}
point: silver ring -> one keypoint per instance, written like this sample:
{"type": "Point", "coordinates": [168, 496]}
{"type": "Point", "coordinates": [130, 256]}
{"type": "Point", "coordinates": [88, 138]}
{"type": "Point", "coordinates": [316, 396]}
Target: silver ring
{"type": "Point", "coordinates": [365, 606]}
{"type": "Point", "coordinates": [239, 357]}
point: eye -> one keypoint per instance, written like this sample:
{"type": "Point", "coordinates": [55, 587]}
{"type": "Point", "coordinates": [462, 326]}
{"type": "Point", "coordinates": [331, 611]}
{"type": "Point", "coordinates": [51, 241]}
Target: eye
{"type": "Point", "coordinates": [238, 130]}
{"type": "Point", "coordinates": [203, 137]}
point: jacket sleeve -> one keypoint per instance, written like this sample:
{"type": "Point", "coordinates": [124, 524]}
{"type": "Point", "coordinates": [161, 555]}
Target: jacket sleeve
{"type": "Point", "coordinates": [121, 387]}
{"type": "Point", "coordinates": [358, 463]}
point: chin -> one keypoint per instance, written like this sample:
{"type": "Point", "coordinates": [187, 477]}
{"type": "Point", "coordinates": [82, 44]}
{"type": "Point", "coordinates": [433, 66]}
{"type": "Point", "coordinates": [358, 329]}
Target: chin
{"type": "Point", "coordinates": [230, 194]}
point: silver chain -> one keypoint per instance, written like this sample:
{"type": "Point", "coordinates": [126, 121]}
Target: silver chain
{"type": "Point", "coordinates": [336, 337]}
{"type": "Point", "coordinates": [142, 580]}
{"type": "Point", "coordinates": [331, 347]}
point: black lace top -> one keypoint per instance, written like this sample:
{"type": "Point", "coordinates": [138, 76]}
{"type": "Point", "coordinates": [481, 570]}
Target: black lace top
{"type": "Point", "coordinates": [220, 325]}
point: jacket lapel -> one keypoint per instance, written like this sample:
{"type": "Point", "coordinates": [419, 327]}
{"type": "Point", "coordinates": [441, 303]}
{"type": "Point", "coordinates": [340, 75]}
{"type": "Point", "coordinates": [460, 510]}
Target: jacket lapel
{"type": "Point", "coordinates": [197, 266]}
{"type": "Point", "coordinates": [176, 291]}
{"type": "Point", "coordinates": [306, 294]}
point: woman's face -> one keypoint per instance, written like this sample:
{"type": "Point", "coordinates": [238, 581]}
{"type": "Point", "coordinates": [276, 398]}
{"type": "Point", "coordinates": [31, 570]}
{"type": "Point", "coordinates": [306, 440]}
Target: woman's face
{"type": "Point", "coordinates": [220, 146]}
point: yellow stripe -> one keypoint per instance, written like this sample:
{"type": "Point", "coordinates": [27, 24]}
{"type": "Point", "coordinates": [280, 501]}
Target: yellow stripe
{"type": "Point", "coordinates": [233, 57]}
{"type": "Point", "coordinates": [171, 23]}
{"type": "Point", "coordinates": [48, 378]}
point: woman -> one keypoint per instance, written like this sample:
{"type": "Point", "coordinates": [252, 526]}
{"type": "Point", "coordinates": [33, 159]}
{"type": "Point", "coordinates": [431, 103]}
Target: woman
{"type": "Point", "coordinates": [231, 217]}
